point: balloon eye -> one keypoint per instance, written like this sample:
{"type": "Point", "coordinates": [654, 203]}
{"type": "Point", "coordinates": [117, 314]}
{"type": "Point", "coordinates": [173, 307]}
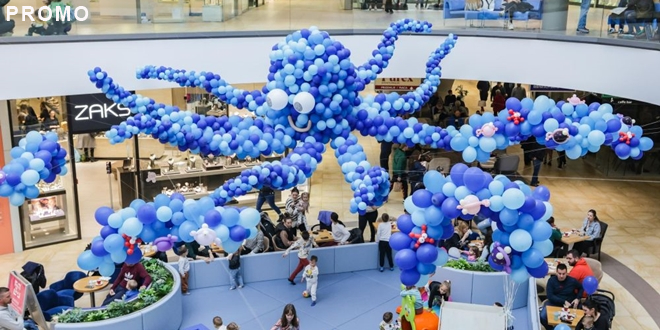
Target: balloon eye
{"type": "Point", "coordinates": [304, 102]}
{"type": "Point", "coordinates": [277, 99]}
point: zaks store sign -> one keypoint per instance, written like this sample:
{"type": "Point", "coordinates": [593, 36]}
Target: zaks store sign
{"type": "Point", "coordinates": [94, 113]}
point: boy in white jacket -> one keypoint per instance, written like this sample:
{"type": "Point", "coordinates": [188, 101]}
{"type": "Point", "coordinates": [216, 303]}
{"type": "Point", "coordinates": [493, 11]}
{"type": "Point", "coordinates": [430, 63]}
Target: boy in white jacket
{"type": "Point", "coordinates": [311, 274]}
{"type": "Point", "coordinates": [305, 243]}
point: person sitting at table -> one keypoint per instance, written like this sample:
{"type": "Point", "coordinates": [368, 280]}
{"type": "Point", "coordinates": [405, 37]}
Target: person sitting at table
{"type": "Point", "coordinates": [591, 309]}
{"type": "Point", "coordinates": [488, 241]}
{"type": "Point", "coordinates": [198, 252]}
{"type": "Point", "coordinates": [254, 245]}
{"type": "Point", "coordinates": [590, 228]}
{"type": "Point", "coordinates": [339, 232]}
{"type": "Point", "coordinates": [581, 268]}
{"type": "Point", "coordinates": [51, 122]}
{"type": "Point", "coordinates": [556, 232]}
{"type": "Point", "coordinates": [284, 236]}
{"type": "Point", "coordinates": [472, 254]}
{"type": "Point", "coordinates": [558, 247]}
{"type": "Point", "coordinates": [128, 272]}
{"type": "Point", "coordinates": [562, 290]}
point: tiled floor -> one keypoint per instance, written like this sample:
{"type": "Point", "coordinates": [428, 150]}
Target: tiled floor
{"type": "Point", "coordinates": [326, 14]}
{"type": "Point", "coordinates": [626, 205]}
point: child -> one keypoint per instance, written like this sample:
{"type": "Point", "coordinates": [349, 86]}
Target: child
{"type": "Point", "coordinates": [217, 323]}
{"type": "Point", "coordinates": [383, 235]}
{"type": "Point", "coordinates": [232, 326]}
{"type": "Point", "coordinates": [305, 243]}
{"type": "Point", "coordinates": [439, 292]}
{"type": "Point", "coordinates": [132, 290]}
{"type": "Point", "coordinates": [39, 25]}
{"type": "Point", "coordinates": [472, 254]}
{"type": "Point", "coordinates": [412, 291]}
{"type": "Point", "coordinates": [388, 323]}
{"type": "Point", "coordinates": [311, 274]}
{"type": "Point", "coordinates": [235, 272]}
{"type": "Point", "coordinates": [588, 322]}
{"type": "Point", "coordinates": [184, 267]}
{"type": "Point", "coordinates": [302, 208]}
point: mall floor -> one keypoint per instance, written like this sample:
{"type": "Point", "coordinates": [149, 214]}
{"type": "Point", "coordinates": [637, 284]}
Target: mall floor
{"type": "Point", "coordinates": [326, 14]}
{"type": "Point", "coordinates": [628, 206]}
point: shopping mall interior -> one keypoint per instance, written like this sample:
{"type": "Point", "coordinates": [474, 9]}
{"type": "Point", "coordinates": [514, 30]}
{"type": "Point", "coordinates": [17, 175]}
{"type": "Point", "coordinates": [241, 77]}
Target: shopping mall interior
{"type": "Point", "coordinates": [544, 54]}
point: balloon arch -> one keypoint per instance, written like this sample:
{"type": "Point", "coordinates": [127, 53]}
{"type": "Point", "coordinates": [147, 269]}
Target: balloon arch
{"type": "Point", "coordinates": [311, 99]}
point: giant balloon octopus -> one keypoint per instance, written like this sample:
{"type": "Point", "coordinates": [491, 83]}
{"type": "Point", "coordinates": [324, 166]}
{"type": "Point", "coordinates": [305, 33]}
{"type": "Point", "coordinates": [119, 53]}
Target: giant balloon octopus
{"type": "Point", "coordinates": [311, 99]}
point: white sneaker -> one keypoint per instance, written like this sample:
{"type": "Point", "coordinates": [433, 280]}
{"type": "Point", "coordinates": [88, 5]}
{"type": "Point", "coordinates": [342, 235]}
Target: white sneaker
{"type": "Point", "coordinates": [510, 26]}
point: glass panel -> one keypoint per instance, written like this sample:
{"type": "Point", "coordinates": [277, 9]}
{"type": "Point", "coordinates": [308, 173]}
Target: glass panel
{"type": "Point", "coordinates": [168, 16]}
{"type": "Point", "coordinates": [51, 217]}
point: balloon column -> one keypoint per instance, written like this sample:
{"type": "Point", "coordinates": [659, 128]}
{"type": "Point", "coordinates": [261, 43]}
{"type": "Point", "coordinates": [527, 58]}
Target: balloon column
{"type": "Point", "coordinates": [311, 98]}
{"type": "Point", "coordinates": [163, 222]}
{"type": "Point", "coordinates": [521, 235]}
{"type": "Point", "coordinates": [37, 157]}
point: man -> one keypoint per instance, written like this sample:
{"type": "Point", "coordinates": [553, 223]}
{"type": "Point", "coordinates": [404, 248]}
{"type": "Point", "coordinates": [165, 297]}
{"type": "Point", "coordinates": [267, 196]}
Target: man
{"type": "Point", "coordinates": [128, 272]}
{"type": "Point", "coordinates": [519, 92]}
{"type": "Point", "coordinates": [534, 152]}
{"type": "Point", "coordinates": [450, 99]}
{"type": "Point", "coordinates": [9, 320]}
{"type": "Point", "coordinates": [584, 10]}
{"type": "Point", "coordinates": [385, 152]}
{"type": "Point", "coordinates": [562, 290]}
{"type": "Point", "coordinates": [581, 268]}
{"type": "Point", "coordinates": [284, 237]}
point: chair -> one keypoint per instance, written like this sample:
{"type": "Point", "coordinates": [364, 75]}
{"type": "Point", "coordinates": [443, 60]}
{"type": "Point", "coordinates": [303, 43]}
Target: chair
{"type": "Point", "coordinates": [65, 286]}
{"type": "Point", "coordinates": [266, 245]}
{"type": "Point", "coordinates": [507, 164]}
{"type": "Point", "coordinates": [598, 242]}
{"type": "Point", "coordinates": [596, 268]}
{"type": "Point", "coordinates": [324, 220]}
{"type": "Point", "coordinates": [275, 247]}
{"type": "Point", "coordinates": [440, 164]}
{"type": "Point", "coordinates": [52, 303]}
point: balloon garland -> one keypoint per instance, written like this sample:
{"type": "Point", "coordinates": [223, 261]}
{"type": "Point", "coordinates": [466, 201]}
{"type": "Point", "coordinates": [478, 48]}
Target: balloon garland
{"type": "Point", "coordinates": [37, 157]}
{"type": "Point", "coordinates": [521, 234]}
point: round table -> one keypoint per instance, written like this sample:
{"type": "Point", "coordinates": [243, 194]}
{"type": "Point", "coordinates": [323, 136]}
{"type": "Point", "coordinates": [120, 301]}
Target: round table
{"type": "Point", "coordinates": [82, 285]}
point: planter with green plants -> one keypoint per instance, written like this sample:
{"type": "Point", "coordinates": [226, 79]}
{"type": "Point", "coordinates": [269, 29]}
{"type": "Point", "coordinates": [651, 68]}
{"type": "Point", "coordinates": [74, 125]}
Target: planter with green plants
{"type": "Point", "coordinates": [462, 264]}
{"type": "Point", "coordinates": [165, 282]}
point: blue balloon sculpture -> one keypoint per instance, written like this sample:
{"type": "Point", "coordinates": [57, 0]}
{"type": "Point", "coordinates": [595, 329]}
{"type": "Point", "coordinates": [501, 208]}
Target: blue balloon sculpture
{"type": "Point", "coordinates": [521, 234]}
{"type": "Point", "coordinates": [37, 157]}
{"type": "Point", "coordinates": [312, 98]}
{"type": "Point", "coordinates": [170, 218]}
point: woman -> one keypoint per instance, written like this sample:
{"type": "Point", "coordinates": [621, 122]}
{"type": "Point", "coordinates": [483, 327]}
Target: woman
{"type": "Point", "coordinates": [369, 217]}
{"type": "Point", "coordinates": [289, 319]}
{"type": "Point", "coordinates": [256, 244]}
{"type": "Point", "coordinates": [591, 229]}
{"type": "Point", "coordinates": [601, 321]}
{"type": "Point", "coordinates": [340, 234]}
{"type": "Point", "coordinates": [87, 142]}
{"type": "Point", "coordinates": [488, 241]}
{"type": "Point", "coordinates": [31, 120]}
{"type": "Point", "coordinates": [417, 172]}
{"type": "Point", "coordinates": [51, 122]}
{"type": "Point", "coordinates": [302, 209]}
{"type": "Point", "coordinates": [439, 292]}
{"type": "Point", "coordinates": [290, 203]}
{"type": "Point", "coordinates": [499, 102]}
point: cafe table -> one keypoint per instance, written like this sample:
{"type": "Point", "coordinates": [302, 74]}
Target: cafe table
{"type": "Point", "coordinates": [570, 237]}
{"type": "Point", "coordinates": [553, 316]}
{"type": "Point", "coordinates": [90, 284]}
{"type": "Point", "coordinates": [323, 236]}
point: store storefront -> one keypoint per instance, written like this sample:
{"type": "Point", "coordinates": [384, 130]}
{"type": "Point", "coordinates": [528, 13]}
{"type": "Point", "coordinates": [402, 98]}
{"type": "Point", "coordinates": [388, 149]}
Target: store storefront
{"type": "Point", "coordinates": [106, 173]}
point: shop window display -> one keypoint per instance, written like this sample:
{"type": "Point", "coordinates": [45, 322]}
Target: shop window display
{"type": "Point", "coordinates": [49, 218]}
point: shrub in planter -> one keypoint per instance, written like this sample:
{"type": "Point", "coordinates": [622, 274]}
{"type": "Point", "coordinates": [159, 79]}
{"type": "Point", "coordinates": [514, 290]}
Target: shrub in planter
{"type": "Point", "coordinates": [161, 285]}
{"type": "Point", "coordinates": [462, 264]}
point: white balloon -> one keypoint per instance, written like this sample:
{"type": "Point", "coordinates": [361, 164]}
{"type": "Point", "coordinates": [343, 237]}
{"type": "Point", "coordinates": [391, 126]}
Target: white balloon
{"type": "Point", "coordinates": [507, 249]}
{"type": "Point", "coordinates": [277, 99]}
{"type": "Point", "coordinates": [303, 102]}
{"type": "Point", "coordinates": [204, 236]}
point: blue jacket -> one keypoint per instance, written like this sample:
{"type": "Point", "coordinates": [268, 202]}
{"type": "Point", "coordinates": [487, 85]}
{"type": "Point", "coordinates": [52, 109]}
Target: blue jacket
{"type": "Point", "coordinates": [567, 290]}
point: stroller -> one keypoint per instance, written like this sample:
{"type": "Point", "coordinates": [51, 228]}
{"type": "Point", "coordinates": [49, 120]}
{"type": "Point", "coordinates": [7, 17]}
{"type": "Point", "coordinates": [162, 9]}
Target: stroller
{"type": "Point", "coordinates": [268, 229]}
{"type": "Point", "coordinates": [35, 274]}
{"type": "Point", "coordinates": [605, 300]}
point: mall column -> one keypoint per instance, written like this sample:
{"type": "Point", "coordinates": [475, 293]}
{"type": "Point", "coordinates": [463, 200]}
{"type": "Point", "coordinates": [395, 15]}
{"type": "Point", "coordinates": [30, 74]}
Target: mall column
{"type": "Point", "coordinates": [555, 15]}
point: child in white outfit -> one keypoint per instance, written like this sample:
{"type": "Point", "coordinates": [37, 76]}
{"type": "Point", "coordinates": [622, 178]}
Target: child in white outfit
{"type": "Point", "coordinates": [311, 274]}
{"type": "Point", "coordinates": [389, 323]}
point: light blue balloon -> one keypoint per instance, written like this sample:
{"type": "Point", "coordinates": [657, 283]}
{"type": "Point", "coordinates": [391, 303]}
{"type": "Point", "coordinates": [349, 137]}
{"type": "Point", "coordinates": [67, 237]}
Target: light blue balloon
{"type": "Point", "coordinates": [88, 261]}
{"type": "Point", "coordinates": [409, 205]}
{"type": "Point", "coordinates": [222, 232]}
{"type": "Point", "coordinates": [496, 203]}
{"type": "Point", "coordinates": [30, 177]}
{"type": "Point", "coordinates": [107, 268]}
{"type": "Point", "coordinates": [37, 164]}
{"type": "Point", "coordinates": [545, 247]}
{"type": "Point", "coordinates": [113, 243]}
{"type": "Point", "coordinates": [469, 154]}
{"type": "Point", "coordinates": [115, 220]}
{"type": "Point", "coordinates": [164, 213]}
{"type": "Point", "coordinates": [230, 246]}
{"type": "Point", "coordinates": [118, 256]}
{"type": "Point", "coordinates": [509, 217]}
{"type": "Point", "coordinates": [496, 188]}
{"type": "Point", "coordinates": [461, 192]}
{"type": "Point", "coordinates": [548, 211]}
{"type": "Point", "coordinates": [249, 218]}
{"type": "Point", "coordinates": [520, 276]}
{"type": "Point", "coordinates": [513, 198]}
{"type": "Point", "coordinates": [423, 280]}
{"type": "Point", "coordinates": [487, 144]}
{"type": "Point", "coordinates": [448, 189]}
{"type": "Point", "coordinates": [131, 227]}
{"type": "Point", "coordinates": [535, 117]}
{"type": "Point", "coordinates": [418, 218]}
{"type": "Point", "coordinates": [550, 125]}
{"type": "Point", "coordinates": [434, 181]}
{"type": "Point", "coordinates": [442, 257]}
{"type": "Point", "coordinates": [520, 240]}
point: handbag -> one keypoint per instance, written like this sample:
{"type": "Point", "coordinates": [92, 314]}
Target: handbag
{"type": "Point", "coordinates": [482, 103]}
{"type": "Point", "coordinates": [398, 186]}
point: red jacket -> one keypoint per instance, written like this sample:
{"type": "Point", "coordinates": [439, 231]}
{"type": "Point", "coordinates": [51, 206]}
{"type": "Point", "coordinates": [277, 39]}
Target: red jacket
{"type": "Point", "coordinates": [134, 272]}
{"type": "Point", "coordinates": [580, 271]}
